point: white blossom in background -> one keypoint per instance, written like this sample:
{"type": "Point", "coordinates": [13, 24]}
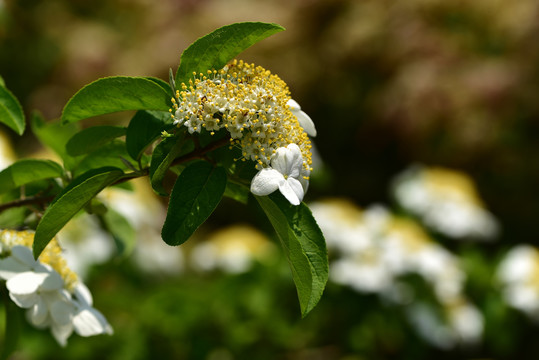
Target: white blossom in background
{"type": "Point", "coordinates": [445, 201]}
{"type": "Point", "coordinates": [371, 250]}
{"type": "Point", "coordinates": [518, 275]}
{"type": "Point", "coordinates": [7, 156]}
{"type": "Point", "coordinates": [233, 250]}
{"type": "Point", "coordinates": [51, 292]}
{"type": "Point", "coordinates": [464, 324]}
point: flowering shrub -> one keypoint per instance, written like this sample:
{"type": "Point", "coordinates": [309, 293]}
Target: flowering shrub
{"type": "Point", "coordinates": [224, 127]}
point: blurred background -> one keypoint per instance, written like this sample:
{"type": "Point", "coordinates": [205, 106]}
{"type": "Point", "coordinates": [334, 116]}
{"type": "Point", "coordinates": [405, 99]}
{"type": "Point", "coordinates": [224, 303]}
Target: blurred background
{"type": "Point", "coordinates": [425, 182]}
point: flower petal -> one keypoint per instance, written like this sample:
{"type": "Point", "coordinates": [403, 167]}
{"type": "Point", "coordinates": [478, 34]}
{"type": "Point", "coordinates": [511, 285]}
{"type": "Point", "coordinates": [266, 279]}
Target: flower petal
{"type": "Point", "coordinates": [10, 267]}
{"type": "Point", "coordinates": [24, 301]}
{"type": "Point", "coordinates": [294, 160]}
{"type": "Point", "coordinates": [37, 314]}
{"type": "Point", "coordinates": [62, 332]}
{"type": "Point", "coordinates": [88, 322]}
{"type": "Point", "coordinates": [296, 187]}
{"type": "Point", "coordinates": [83, 294]}
{"type": "Point", "coordinates": [53, 281]}
{"type": "Point", "coordinates": [266, 181]}
{"type": "Point", "coordinates": [288, 192]}
{"type": "Point", "coordinates": [23, 254]}
{"type": "Point", "coordinates": [279, 160]}
{"type": "Point", "coordinates": [304, 120]}
{"type": "Point", "coordinates": [62, 311]}
{"type": "Point", "coordinates": [25, 283]}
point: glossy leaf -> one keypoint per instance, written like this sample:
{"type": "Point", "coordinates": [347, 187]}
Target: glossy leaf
{"type": "Point", "coordinates": [112, 94]}
{"type": "Point", "coordinates": [113, 154]}
{"type": "Point", "coordinates": [26, 171]}
{"type": "Point", "coordinates": [196, 193]}
{"type": "Point", "coordinates": [70, 201]}
{"type": "Point", "coordinates": [144, 128]}
{"type": "Point", "coordinates": [11, 113]}
{"type": "Point", "coordinates": [92, 138]}
{"type": "Point", "coordinates": [303, 245]}
{"type": "Point", "coordinates": [216, 49]}
{"type": "Point", "coordinates": [162, 157]}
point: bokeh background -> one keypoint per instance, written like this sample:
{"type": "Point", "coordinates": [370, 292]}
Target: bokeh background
{"type": "Point", "coordinates": [444, 92]}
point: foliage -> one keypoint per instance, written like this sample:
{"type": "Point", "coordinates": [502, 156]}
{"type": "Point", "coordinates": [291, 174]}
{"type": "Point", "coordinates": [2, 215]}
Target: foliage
{"type": "Point", "coordinates": [99, 157]}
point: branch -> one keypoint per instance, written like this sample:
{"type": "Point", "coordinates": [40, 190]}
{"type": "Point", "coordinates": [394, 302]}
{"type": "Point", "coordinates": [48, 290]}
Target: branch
{"type": "Point", "coordinates": [33, 200]}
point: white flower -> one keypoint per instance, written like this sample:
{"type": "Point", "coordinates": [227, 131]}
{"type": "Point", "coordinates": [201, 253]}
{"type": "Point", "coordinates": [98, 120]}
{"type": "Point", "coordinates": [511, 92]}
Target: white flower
{"type": "Point", "coordinates": [42, 290]}
{"type": "Point", "coordinates": [286, 174]}
{"type": "Point", "coordinates": [304, 120]}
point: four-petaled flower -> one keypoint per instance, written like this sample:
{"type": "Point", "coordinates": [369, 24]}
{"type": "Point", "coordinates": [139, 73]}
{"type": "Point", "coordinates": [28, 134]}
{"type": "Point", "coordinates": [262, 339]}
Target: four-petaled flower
{"type": "Point", "coordinates": [287, 173]}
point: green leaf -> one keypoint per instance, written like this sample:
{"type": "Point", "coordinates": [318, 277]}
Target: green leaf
{"type": "Point", "coordinates": [55, 136]}
{"type": "Point", "coordinates": [196, 193]}
{"type": "Point", "coordinates": [237, 191]}
{"type": "Point", "coordinates": [303, 245]}
{"type": "Point", "coordinates": [123, 233]}
{"type": "Point", "coordinates": [110, 154]}
{"type": "Point", "coordinates": [72, 199]}
{"type": "Point", "coordinates": [216, 49]}
{"type": "Point", "coordinates": [12, 327]}
{"type": "Point", "coordinates": [144, 128]}
{"type": "Point", "coordinates": [11, 112]}
{"type": "Point", "coordinates": [92, 138]}
{"type": "Point", "coordinates": [26, 171]}
{"type": "Point", "coordinates": [162, 157]}
{"type": "Point", "coordinates": [164, 85]}
{"type": "Point", "coordinates": [112, 94]}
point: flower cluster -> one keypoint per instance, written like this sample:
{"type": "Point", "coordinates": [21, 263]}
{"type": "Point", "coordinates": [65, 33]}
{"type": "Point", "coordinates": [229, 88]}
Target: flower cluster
{"type": "Point", "coordinates": [51, 292]}
{"type": "Point", "coordinates": [255, 107]}
{"type": "Point", "coordinates": [372, 250]}
{"type": "Point", "coordinates": [446, 201]}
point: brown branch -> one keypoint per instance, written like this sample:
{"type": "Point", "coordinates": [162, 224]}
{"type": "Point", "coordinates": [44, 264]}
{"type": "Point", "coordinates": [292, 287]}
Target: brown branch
{"type": "Point", "coordinates": [197, 154]}
{"type": "Point", "coordinates": [39, 200]}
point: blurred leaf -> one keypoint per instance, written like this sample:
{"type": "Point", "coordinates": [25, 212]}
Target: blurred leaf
{"type": "Point", "coordinates": [92, 138]}
{"type": "Point", "coordinates": [110, 154]}
{"type": "Point", "coordinates": [303, 245]}
{"type": "Point", "coordinates": [162, 156]}
{"type": "Point", "coordinates": [123, 233]}
{"type": "Point", "coordinates": [55, 136]}
{"type": "Point", "coordinates": [12, 327]}
{"type": "Point", "coordinates": [216, 49]}
{"type": "Point", "coordinates": [144, 128]}
{"type": "Point", "coordinates": [112, 94]}
{"type": "Point", "coordinates": [28, 170]}
{"type": "Point", "coordinates": [237, 191]}
{"type": "Point", "coordinates": [11, 112]}
{"type": "Point", "coordinates": [70, 201]}
{"type": "Point", "coordinates": [196, 193]}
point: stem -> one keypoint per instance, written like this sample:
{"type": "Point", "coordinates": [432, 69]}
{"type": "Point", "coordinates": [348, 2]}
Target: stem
{"type": "Point", "coordinates": [197, 154]}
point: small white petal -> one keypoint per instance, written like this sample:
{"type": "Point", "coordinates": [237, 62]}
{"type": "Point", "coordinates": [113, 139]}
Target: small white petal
{"type": "Point", "coordinates": [62, 332]}
{"type": "Point", "coordinates": [53, 281]}
{"type": "Point", "coordinates": [279, 160]}
{"type": "Point", "coordinates": [306, 123]}
{"type": "Point", "coordinates": [266, 181]}
{"type": "Point", "coordinates": [83, 294]}
{"type": "Point", "coordinates": [88, 322]}
{"type": "Point", "coordinates": [289, 193]}
{"type": "Point", "coordinates": [10, 267]}
{"type": "Point", "coordinates": [24, 301]}
{"type": "Point", "coordinates": [23, 254]}
{"type": "Point", "coordinates": [62, 311]}
{"type": "Point", "coordinates": [25, 283]}
{"type": "Point", "coordinates": [37, 314]}
{"type": "Point", "coordinates": [294, 160]}
{"type": "Point", "coordinates": [293, 104]}
{"type": "Point", "coordinates": [296, 186]}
